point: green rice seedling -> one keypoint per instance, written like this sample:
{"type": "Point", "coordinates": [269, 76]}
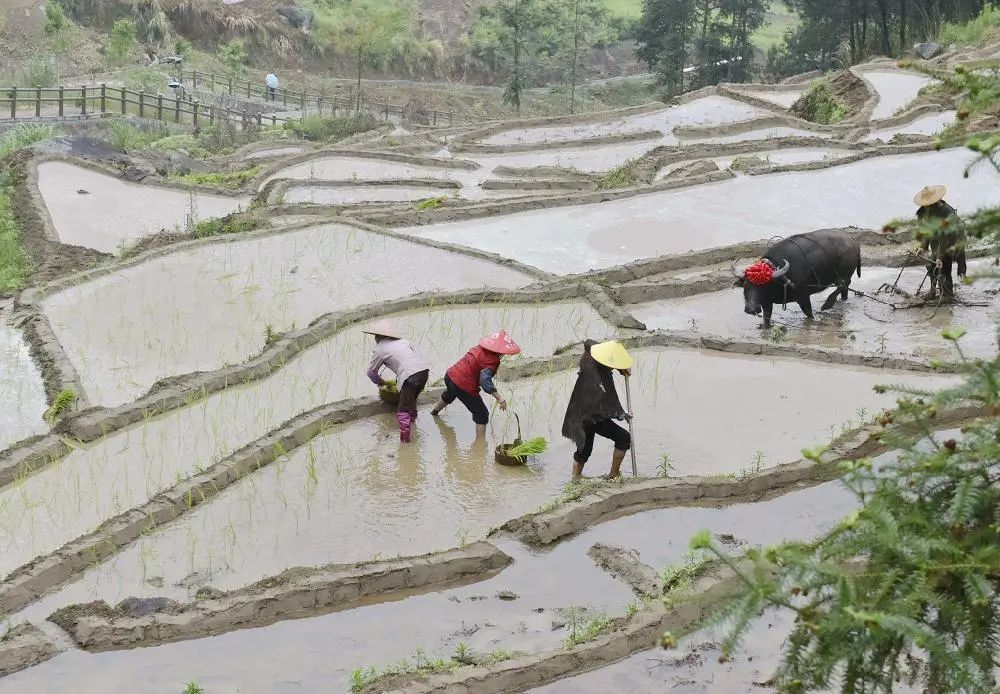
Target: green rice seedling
{"type": "Point", "coordinates": [664, 467]}
{"type": "Point", "coordinates": [529, 448]}
{"type": "Point", "coordinates": [193, 688]}
{"type": "Point", "coordinates": [64, 400]}
{"type": "Point", "coordinates": [464, 654]}
{"type": "Point", "coordinates": [431, 203]}
{"type": "Point", "coordinates": [581, 632]}
{"type": "Point", "coordinates": [680, 577]}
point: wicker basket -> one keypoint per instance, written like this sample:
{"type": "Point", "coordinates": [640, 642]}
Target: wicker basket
{"type": "Point", "coordinates": [501, 451]}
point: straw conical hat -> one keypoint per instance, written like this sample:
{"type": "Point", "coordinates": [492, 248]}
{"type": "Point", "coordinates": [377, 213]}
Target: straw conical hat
{"type": "Point", "coordinates": [384, 328]}
{"type": "Point", "coordinates": [612, 354]}
{"type": "Point", "coordinates": [930, 195]}
{"type": "Point", "coordinates": [501, 343]}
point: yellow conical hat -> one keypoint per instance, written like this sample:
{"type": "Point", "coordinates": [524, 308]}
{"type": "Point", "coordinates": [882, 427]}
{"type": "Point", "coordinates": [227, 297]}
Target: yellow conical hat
{"type": "Point", "coordinates": [612, 354]}
{"type": "Point", "coordinates": [930, 195]}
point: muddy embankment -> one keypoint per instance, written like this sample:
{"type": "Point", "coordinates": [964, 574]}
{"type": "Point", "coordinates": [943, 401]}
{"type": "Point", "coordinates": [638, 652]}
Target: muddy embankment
{"type": "Point", "coordinates": [296, 593]}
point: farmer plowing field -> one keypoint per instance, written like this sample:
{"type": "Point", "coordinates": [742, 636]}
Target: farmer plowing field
{"type": "Point", "coordinates": [411, 369]}
{"type": "Point", "coordinates": [594, 405]}
{"type": "Point", "coordinates": [475, 372]}
{"type": "Point", "coordinates": [945, 241]}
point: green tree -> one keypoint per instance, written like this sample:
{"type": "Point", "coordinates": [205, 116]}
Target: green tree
{"type": "Point", "coordinates": [370, 30]}
{"type": "Point", "coordinates": [907, 587]}
{"type": "Point", "coordinates": [121, 41]}
{"type": "Point", "coordinates": [234, 55]}
{"type": "Point", "coordinates": [55, 18]}
{"type": "Point", "coordinates": [516, 18]}
{"type": "Point", "coordinates": [663, 34]}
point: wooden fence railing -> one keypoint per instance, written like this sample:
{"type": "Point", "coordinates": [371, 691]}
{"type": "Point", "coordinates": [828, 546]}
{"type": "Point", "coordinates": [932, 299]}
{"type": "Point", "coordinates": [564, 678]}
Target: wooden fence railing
{"type": "Point", "coordinates": [308, 100]}
{"type": "Point", "coordinates": [37, 102]}
{"type": "Point", "coordinates": [57, 102]}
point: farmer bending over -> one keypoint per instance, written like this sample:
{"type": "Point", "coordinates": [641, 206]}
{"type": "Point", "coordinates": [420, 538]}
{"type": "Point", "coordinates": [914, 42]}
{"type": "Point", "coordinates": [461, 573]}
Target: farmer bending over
{"type": "Point", "coordinates": [594, 404]}
{"type": "Point", "coordinates": [410, 368]}
{"type": "Point", "coordinates": [474, 371]}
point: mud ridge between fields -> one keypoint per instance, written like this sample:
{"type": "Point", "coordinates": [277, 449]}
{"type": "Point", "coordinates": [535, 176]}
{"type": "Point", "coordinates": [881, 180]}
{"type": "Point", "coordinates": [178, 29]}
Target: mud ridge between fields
{"type": "Point", "coordinates": [293, 594]}
{"type": "Point", "coordinates": [24, 646]}
{"type": "Point", "coordinates": [630, 635]}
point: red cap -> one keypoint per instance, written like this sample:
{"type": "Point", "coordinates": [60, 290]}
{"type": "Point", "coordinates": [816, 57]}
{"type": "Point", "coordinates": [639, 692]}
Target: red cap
{"type": "Point", "coordinates": [501, 343]}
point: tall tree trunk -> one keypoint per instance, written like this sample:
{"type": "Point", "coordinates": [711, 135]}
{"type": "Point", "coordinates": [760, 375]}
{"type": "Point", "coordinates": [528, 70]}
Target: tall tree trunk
{"type": "Point", "coordinates": [864, 30]}
{"type": "Point", "coordinates": [853, 21]}
{"type": "Point", "coordinates": [902, 25]}
{"type": "Point", "coordinates": [706, 12]}
{"type": "Point", "coordinates": [883, 14]}
{"type": "Point", "coordinates": [576, 48]}
{"type": "Point", "coordinates": [517, 55]}
{"type": "Point", "coordinates": [361, 62]}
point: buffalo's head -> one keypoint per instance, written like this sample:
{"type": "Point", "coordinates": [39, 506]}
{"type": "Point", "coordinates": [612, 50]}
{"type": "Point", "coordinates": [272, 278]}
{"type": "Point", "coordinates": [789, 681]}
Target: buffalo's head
{"type": "Point", "coordinates": [756, 283]}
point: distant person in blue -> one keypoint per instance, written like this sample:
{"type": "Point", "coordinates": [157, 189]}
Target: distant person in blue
{"type": "Point", "coordinates": [272, 85]}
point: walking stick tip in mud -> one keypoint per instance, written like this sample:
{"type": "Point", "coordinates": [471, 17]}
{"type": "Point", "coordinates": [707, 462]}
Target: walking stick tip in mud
{"type": "Point", "coordinates": [631, 433]}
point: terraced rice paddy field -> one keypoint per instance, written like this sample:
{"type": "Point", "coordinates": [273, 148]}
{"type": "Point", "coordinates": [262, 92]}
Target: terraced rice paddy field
{"type": "Point", "coordinates": [227, 502]}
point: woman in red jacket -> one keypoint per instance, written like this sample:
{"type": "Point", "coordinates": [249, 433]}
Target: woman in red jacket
{"type": "Point", "coordinates": [473, 372]}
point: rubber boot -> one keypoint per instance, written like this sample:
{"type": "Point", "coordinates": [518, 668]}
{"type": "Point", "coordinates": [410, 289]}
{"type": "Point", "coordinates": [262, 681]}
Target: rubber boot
{"type": "Point", "coordinates": [405, 426]}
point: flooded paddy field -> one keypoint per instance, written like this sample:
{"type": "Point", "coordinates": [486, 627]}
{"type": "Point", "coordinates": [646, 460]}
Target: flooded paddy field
{"type": "Point", "coordinates": [547, 585]}
{"type": "Point", "coordinates": [347, 195]}
{"type": "Point", "coordinates": [99, 211]}
{"type": "Point", "coordinates": [790, 155]}
{"type": "Point", "coordinates": [124, 469]}
{"type": "Point", "coordinates": [445, 489]}
{"type": "Point", "coordinates": [857, 325]}
{"type": "Point", "coordinates": [931, 124]}
{"type": "Point", "coordinates": [275, 152]}
{"type": "Point", "coordinates": [784, 99]}
{"type": "Point", "coordinates": [347, 168]}
{"type": "Point", "coordinates": [867, 194]}
{"type": "Point", "coordinates": [224, 297]}
{"type": "Point", "coordinates": [23, 402]}
{"type": "Point", "coordinates": [895, 89]}
{"type": "Point", "coordinates": [759, 134]}
{"type": "Point", "coordinates": [709, 110]}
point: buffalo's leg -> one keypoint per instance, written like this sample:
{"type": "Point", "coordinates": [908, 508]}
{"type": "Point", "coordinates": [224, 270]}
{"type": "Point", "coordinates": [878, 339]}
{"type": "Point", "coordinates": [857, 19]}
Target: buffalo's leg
{"type": "Point", "coordinates": [844, 291]}
{"type": "Point", "coordinates": [831, 300]}
{"type": "Point", "coordinates": [767, 307]}
{"type": "Point", "coordinates": [806, 305]}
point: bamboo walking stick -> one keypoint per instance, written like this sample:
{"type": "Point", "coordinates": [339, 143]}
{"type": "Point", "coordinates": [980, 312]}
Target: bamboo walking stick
{"type": "Point", "coordinates": [628, 403]}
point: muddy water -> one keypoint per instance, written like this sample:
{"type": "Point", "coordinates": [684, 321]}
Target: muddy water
{"type": "Point", "coordinates": [112, 211]}
{"type": "Point", "coordinates": [359, 481]}
{"type": "Point", "coordinates": [709, 110]}
{"type": "Point", "coordinates": [326, 649]}
{"type": "Point", "coordinates": [857, 325]}
{"type": "Point", "coordinates": [342, 168]}
{"type": "Point", "coordinates": [867, 194]}
{"type": "Point", "coordinates": [199, 309]}
{"type": "Point", "coordinates": [895, 90]}
{"type": "Point", "coordinates": [275, 152]}
{"type": "Point", "coordinates": [341, 195]}
{"type": "Point", "coordinates": [589, 159]}
{"type": "Point", "coordinates": [123, 470]}
{"type": "Point", "coordinates": [23, 402]}
{"type": "Point", "coordinates": [930, 124]}
{"type": "Point", "coordinates": [775, 156]}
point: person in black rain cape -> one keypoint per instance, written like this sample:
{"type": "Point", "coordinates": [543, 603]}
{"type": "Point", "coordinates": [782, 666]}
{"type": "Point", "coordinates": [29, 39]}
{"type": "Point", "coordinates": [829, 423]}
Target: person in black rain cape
{"type": "Point", "coordinates": [594, 405]}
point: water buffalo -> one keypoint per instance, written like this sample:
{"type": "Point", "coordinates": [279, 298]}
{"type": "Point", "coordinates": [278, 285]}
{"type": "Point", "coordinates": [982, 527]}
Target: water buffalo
{"type": "Point", "coordinates": [798, 267]}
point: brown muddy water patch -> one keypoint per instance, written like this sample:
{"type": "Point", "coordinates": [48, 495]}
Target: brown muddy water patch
{"type": "Point", "coordinates": [857, 325]}
{"type": "Point", "coordinates": [866, 194]}
{"type": "Point", "coordinates": [112, 211]}
{"type": "Point", "coordinates": [345, 195]}
{"type": "Point", "coordinates": [23, 400]}
{"type": "Point", "coordinates": [895, 90]}
{"type": "Point", "coordinates": [709, 110]}
{"type": "Point", "coordinates": [124, 469]}
{"type": "Point", "coordinates": [211, 305]}
{"type": "Point", "coordinates": [784, 99]}
{"type": "Point", "coordinates": [358, 481]}
{"type": "Point", "coordinates": [930, 124]}
{"type": "Point", "coordinates": [546, 586]}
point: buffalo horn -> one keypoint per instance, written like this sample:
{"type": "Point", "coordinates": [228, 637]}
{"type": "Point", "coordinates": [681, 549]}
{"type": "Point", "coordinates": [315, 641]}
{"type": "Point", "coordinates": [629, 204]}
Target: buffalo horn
{"type": "Point", "coordinates": [732, 268]}
{"type": "Point", "coordinates": [783, 270]}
